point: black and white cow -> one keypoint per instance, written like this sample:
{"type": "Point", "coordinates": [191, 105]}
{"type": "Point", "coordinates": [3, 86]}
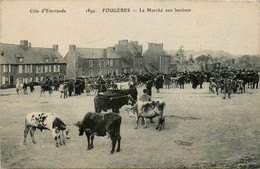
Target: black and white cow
{"type": "Point", "coordinates": [100, 124]}
{"type": "Point", "coordinates": [150, 110]}
{"type": "Point", "coordinates": [46, 121]}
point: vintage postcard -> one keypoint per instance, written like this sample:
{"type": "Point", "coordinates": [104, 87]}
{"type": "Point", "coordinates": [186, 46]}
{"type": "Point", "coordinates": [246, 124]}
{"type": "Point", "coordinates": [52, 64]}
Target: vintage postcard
{"type": "Point", "coordinates": [129, 84]}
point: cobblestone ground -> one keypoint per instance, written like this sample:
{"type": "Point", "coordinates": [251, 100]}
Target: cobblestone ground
{"type": "Point", "coordinates": [202, 131]}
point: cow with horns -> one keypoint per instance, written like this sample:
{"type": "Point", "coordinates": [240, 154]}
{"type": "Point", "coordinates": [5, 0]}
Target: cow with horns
{"type": "Point", "coordinates": [114, 101]}
{"type": "Point", "coordinates": [100, 124]}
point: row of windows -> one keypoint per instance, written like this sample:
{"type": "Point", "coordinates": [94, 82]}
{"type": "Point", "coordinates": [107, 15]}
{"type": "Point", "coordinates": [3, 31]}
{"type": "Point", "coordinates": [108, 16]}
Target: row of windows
{"type": "Point", "coordinates": [29, 68]}
{"type": "Point", "coordinates": [101, 63]}
{"type": "Point", "coordinates": [39, 69]}
{"type": "Point", "coordinates": [25, 69]}
{"type": "Point", "coordinates": [103, 72]}
{"type": "Point", "coordinates": [7, 68]}
{"type": "Point", "coordinates": [109, 71]}
{"type": "Point", "coordinates": [10, 80]}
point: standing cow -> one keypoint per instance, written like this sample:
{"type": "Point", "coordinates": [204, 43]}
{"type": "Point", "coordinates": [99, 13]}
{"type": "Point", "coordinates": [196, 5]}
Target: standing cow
{"type": "Point", "coordinates": [46, 121]}
{"type": "Point", "coordinates": [150, 110]}
{"type": "Point", "coordinates": [99, 124]}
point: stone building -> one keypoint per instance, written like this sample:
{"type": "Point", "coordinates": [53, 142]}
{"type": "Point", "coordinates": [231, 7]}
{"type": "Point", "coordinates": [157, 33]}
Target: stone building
{"type": "Point", "coordinates": [92, 62]}
{"type": "Point", "coordinates": [24, 63]}
{"type": "Point", "coordinates": [156, 59]}
{"type": "Point", "coordinates": [131, 55]}
{"type": "Point", "coordinates": [124, 58]}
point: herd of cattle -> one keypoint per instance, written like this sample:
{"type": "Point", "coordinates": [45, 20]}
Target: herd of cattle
{"type": "Point", "coordinates": [99, 124]}
{"type": "Point", "coordinates": [116, 95]}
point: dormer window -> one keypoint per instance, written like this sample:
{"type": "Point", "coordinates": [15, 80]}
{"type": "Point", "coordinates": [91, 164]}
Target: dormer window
{"type": "Point", "coordinates": [20, 59]}
{"type": "Point", "coordinates": [56, 60]}
{"type": "Point", "coordinates": [47, 59]}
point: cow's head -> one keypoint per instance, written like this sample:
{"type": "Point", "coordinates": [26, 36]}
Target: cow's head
{"type": "Point", "coordinates": [59, 126]}
{"type": "Point", "coordinates": [159, 107]}
{"type": "Point", "coordinates": [66, 131]}
{"type": "Point", "coordinates": [81, 129]}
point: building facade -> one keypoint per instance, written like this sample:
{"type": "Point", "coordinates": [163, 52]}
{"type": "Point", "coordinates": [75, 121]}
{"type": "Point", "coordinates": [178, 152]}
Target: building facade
{"type": "Point", "coordinates": [124, 58]}
{"type": "Point", "coordinates": [131, 56]}
{"type": "Point", "coordinates": [82, 62]}
{"type": "Point", "coordinates": [156, 59]}
{"type": "Point", "coordinates": [23, 63]}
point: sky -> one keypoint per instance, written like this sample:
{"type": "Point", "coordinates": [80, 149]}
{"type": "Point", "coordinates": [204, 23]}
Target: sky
{"type": "Point", "coordinates": [229, 26]}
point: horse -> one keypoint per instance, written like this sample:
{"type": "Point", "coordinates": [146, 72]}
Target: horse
{"type": "Point", "coordinates": [46, 87]}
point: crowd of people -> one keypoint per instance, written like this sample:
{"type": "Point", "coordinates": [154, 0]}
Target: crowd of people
{"type": "Point", "coordinates": [223, 79]}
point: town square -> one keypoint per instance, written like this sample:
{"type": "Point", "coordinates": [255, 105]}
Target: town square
{"type": "Point", "coordinates": [137, 84]}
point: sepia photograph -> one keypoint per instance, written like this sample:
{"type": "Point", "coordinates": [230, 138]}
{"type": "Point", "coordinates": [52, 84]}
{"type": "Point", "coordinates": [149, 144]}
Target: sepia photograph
{"type": "Point", "coordinates": [129, 84]}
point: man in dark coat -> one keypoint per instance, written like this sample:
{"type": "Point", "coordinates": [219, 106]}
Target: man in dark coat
{"type": "Point", "coordinates": [25, 88]}
{"type": "Point", "coordinates": [149, 86]}
{"type": "Point", "coordinates": [71, 87]}
{"type": "Point", "coordinates": [31, 87]}
{"type": "Point", "coordinates": [159, 83]}
{"type": "Point", "coordinates": [167, 80]}
{"type": "Point", "coordinates": [201, 78]}
{"type": "Point", "coordinates": [256, 80]}
{"type": "Point", "coordinates": [194, 80]}
{"type": "Point", "coordinates": [101, 85]}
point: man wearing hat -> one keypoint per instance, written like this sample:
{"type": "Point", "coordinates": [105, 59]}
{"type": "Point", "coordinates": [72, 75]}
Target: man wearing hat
{"type": "Point", "coordinates": [256, 80]}
{"type": "Point", "coordinates": [227, 86]}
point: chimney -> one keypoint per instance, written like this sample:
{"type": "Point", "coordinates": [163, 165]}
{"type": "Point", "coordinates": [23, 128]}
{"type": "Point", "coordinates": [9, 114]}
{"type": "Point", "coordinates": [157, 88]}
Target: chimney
{"type": "Point", "coordinates": [150, 45]}
{"type": "Point", "coordinates": [55, 48]}
{"type": "Point", "coordinates": [72, 48]}
{"type": "Point", "coordinates": [24, 44]}
{"type": "Point", "coordinates": [161, 45]}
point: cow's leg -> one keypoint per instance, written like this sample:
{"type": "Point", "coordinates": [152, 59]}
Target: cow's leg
{"type": "Point", "coordinates": [151, 120]}
{"type": "Point", "coordinates": [88, 139]}
{"type": "Point", "coordinates": [145, 124]}
{"type": "Point", "coordinates": [137, 119]}
{"type": "Point", "coordinates": [119, 142]}
{"type": "Point", "coordinates": [26, 131]}
{"type": "Point", "coordinates": [225, 92]}
{"type": "Point", "coordinates": [62, 139]}
{"type": "Point", "coordinates": [158, 123]}
{"type": "Point", "coordinates": [55, 136]}
{"type": "Point", "coordinates": [32, 131]}
{"type": "Point", "coordinates": [91, 140]}
{"type": "Point", "coordinates": [113, 138]}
